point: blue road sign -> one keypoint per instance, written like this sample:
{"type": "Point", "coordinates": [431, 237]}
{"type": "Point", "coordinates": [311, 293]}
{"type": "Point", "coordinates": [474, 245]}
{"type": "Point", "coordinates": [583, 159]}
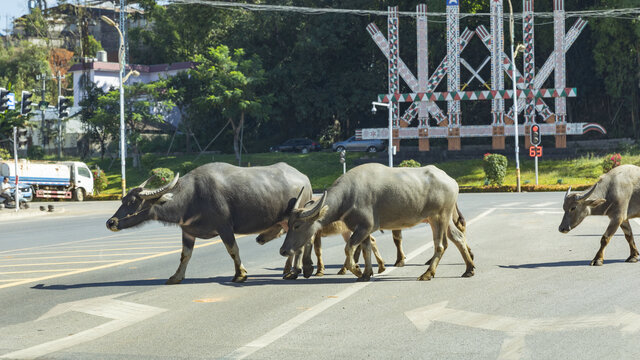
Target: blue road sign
{"type": "Point", "coordinates": [11, 104]}
{"type": "Point", "coordinates": [452, 3]}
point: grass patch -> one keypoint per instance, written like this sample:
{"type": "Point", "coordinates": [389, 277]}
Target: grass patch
{"type": "Point", "coordinates": [323, 168]}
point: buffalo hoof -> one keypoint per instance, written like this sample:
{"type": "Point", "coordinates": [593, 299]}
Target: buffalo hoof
{"type": "Point", "coordinates": [364, 278]}
{"type": "Point", "coordinates": [356, 271]}
{"type": "Point", "coordinates": [468, 273]}
{"type": "Point", "coordinates": [307, 271]}
{"type": "Point", "coordinates": [426, 276]}
{"type": "Point", "coordinates": [290, 276]}
{"type": "Point", "coordinates": [239, 279]}
{"type": "Point", "coordinates": [596, 262]}
{"type": "Point", "coordinates": [632, 259]}
{"type": "Point", "coordinates": [342, 271]}
{"type": "Point", "coordinates": [399, 263]}
{"type": "Point", "coordinates": [319, 273]}
{"type": "Point", "coordinates": [173, 281]}
{"type": "Point", "coordinates": [381, 268]}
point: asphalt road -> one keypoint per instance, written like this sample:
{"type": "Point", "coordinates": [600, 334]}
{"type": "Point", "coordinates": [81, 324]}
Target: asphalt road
{"type": "Point", "coordinates": [70, 289]}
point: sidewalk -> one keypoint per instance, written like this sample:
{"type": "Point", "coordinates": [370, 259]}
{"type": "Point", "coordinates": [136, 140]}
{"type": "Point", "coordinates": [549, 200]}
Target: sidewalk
{"type": "Point", "coordinates": [32, 211]}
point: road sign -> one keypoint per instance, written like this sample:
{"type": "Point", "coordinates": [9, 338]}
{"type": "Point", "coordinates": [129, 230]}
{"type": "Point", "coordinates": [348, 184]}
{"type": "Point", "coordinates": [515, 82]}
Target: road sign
{"type": "Point", "coordinates": [11, 104]}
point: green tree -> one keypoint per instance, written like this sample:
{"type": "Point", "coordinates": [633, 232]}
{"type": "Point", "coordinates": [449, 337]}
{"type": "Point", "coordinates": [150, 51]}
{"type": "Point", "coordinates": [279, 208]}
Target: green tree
{"type": "Point", "coordinates": [229, 83]}
{"type": "Point", "coordinates": [97, 116]}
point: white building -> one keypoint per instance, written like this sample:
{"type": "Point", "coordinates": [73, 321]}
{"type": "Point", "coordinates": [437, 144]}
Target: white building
{"type": "Point", "coordinates": [105, 74]}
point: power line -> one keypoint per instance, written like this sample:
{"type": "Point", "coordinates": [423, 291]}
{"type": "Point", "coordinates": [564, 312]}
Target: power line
{"type": "Point", "coordinates": [627, 13]}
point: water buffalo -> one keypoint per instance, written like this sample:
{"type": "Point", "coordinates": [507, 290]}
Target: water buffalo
{"type": "Point", "coordinates": [371, 197]}
{"type": "Point", "coordinates": [217, 199]}
{"type": "Point", "coordinates": [617, 195]}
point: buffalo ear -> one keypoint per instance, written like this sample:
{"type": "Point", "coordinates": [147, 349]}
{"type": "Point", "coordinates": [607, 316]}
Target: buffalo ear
{"type": "Point", "coordinates": [595, 203]}
{"type": "Point", "coordinates": [164, 198]}
{"type": "Point", "coordinates": [323, 212]}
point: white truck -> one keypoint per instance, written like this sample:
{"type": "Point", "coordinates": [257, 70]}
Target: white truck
{"type": "Point", "coordinates": [62, 180]}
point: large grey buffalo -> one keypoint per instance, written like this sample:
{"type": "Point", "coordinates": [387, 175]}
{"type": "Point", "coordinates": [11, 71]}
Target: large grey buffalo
{"type": "Point", "coordinates": [217, 199]}
{"type": "Point", "coordinates": [371, 197]}
{"type": "Point", "coordinates": [616, 195]}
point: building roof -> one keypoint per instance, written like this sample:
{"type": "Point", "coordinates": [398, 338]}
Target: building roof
{"type": "Point", "coordinates": [114, 66]}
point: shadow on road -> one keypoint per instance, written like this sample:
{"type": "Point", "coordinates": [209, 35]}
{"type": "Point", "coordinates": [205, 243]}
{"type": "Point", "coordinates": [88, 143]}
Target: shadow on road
{"type": "Point", "coordinates": [556, 264]}
{"type": "Point", "coordinates": [253, 280]}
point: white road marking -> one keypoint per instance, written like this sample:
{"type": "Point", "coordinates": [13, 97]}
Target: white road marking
{"type": "Point", "coordinates": [290, 325]}
{"type": "Point", "coordinates": [542, 212]}
{"type": "Point", "coordinates": [510, 204]}
{"type": "Point", "coordinates": [517, 329]}
{"type": "Point", "coordinates": [546, 204]}
{"type": "Point", "coordinates": [123, 314]}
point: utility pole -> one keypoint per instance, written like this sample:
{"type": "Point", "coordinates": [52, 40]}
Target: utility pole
{"type": "Point", "coordinates": [59, 119]}
{"type": "Point", "coordinates": [43, 107]}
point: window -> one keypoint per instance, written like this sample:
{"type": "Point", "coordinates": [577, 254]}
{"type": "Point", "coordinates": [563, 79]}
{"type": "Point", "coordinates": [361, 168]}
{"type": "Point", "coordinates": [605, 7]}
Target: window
{"type": "Point", "coordinates": [84, 172]}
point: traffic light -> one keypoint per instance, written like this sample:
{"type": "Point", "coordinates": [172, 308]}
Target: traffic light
{"type": "Point", "coordinates": [63, 105]}
{"type": "Point", "coordinates": [25, 106]}
{"type": "Point", "coordinates": [22, 137]}
{"type": "Point", "coordinates": [4, 99]}
{"type": "Point", "coordinates": [534, 135]}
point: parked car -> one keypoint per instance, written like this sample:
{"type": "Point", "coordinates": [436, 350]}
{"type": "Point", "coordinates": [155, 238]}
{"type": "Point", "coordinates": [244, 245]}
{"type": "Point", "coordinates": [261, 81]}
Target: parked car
{"type": "Point", "coordinates": [302, 145]}
{"type": "Point", "coordinates": [351, 144]}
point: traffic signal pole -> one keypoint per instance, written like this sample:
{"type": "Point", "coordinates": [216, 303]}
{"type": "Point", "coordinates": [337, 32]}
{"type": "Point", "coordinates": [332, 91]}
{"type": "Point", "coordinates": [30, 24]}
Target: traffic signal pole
{"type": "Point", "coordinates": [15, 158]}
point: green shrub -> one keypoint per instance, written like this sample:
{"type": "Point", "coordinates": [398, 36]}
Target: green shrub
{"type": "Point", "coordinates": [148, 160]}
{"type": "Point", "coordinates": [409, 163]}
{"type": "Point", "coordinates": [100, 181]}
{"type": "Point", "coordinates": [610, 162]}
{"type": "Point", "coordinates": [495, 168]}
{"type": "Point", "coordinates": [4, 154]}
{"type": "Point", "coordinates": [187, 166]}
{"type": "Point", "coordinates": [35, 152]}
{"type": "Point", "coordinates": [160, 177]}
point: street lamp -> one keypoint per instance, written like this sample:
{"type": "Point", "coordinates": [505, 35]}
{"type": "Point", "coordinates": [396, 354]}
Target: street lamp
{"type": "Point", "coordinates": [515, 95]}
{"type": "Point", "coordinates": [390, 145]}
{"type": "Point", "coordinates": [122, 128]}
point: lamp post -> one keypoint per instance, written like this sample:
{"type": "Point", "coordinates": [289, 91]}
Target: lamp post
{"type": "Point", "coordinates": [515, 95]}
{"type": "Point", "coordinates": [390, 145]}
{"type": "Point", "coordinates": [122, 127]}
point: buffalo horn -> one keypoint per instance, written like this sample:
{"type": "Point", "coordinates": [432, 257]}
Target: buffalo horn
{"type": "Point", "coordinates": [313, 211]}
{"type": "Point", "coordinates": [587, 194]}
{"type": "Point", "coordinates": [141, 186]}
{"type": "Point", "coordinates": [298, 198]}
{"type": "Point", "coordinates": [568, 192]}
{"type": "Point", "coordinates": [154, 194]}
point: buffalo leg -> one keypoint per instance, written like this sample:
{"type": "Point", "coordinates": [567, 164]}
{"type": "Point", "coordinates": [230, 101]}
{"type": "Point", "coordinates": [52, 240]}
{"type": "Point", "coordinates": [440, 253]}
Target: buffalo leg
{"type": "Point", "coordinates": [376, 253]}
{"type": "Point", "coordinates": [366, 255]}
{"type": "Point", "coordinates": [188, 242]}
{"type": "Point", "coordinates": [604, 241]}
{"type": "Point", "coordinates": [397, 240]}
{"type": "Point", "coordinates": [307, 263]}
{"type": "Point", "coordinates": [628, 234]}
{"type": "Point", "coordinates": [317, 248]}
{"type": "Point", "coordinates": [296, 267]}
{"type": "Point", "coordinates": [229, 240]}
{"type": "Point", "coordinates": [458, 238]}
{"type": "Point", "coordinates": [287, 265]}
{"type": "Point", "coordinates": [358, 236]}
{"type": "Point", "coordinates": [343, 270]}
{"type": "Point", "coordinates": [438, 227]}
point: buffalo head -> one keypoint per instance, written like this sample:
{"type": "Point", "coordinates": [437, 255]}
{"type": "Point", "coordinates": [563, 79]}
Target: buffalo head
{"type": "Point", "coordinates": [576, 207]}
{"type": "Point", "coordinates": [304, 223]}
{"type": "Point", "coordinates": [137, 203]}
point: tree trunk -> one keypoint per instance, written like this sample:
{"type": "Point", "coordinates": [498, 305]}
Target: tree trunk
{"type": "Point", "coordinates": [236, 136]}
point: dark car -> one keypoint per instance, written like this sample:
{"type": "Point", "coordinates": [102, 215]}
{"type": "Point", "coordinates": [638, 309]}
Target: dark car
{"type": "Point", "coordinates": [302, 145]}
{"type": "Point", "coordinates": [351, 144]}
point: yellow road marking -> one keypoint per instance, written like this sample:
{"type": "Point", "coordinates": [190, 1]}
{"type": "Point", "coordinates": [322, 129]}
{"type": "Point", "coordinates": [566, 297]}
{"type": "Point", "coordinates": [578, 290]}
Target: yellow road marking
{"type": "Point", "coordinates": [106, 266]}
{"type": "Point", "coordinates": [62, 251]}
{"type": "Point", "coordinates": [76, 256]}
{"type": "Point", "coordinates": [58, 263]}
{"type": "Point", "coordinates": [36, 271]}
{"type": "Point", "coordinates": [8, 280]}
{"type": "Point", "coordinates": [79, 241]}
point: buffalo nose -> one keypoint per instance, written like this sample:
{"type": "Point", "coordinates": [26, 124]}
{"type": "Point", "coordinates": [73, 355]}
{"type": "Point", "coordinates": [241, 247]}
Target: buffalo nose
{"type": "Point", "coordinates": [563, 230]}
{"type": "Point", "coordinates": [111, 223]}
